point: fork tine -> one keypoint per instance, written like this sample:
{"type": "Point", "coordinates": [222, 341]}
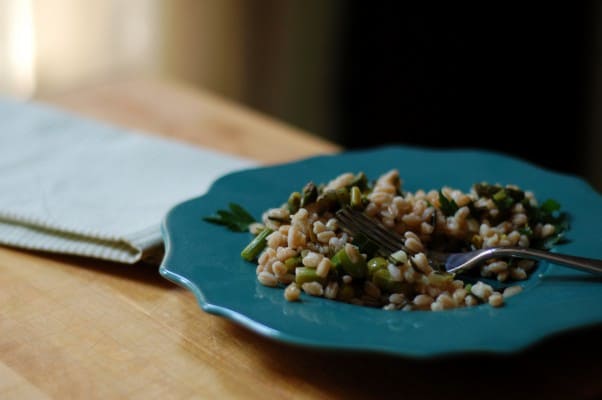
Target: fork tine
{"type": "Point", "coordinates": [356, 222]}
{"type": "Point", "coordinates": [383, 241]}
{"type": "Point", "coordinates": [377, 232]}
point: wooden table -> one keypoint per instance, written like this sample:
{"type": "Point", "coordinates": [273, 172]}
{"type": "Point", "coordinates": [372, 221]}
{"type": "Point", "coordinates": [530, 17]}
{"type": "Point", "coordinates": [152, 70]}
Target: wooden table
{"type": "Point", "coordinates": [80, 328]}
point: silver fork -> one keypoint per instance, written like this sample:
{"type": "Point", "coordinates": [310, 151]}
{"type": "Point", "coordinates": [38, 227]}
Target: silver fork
{"type": "Point", "coordinates": [356, 223]}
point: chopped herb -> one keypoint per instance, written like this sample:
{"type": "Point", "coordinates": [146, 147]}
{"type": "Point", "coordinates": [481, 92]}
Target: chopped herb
{"type": "Point", "coordinates": [468, 288]}
{"type": "Point", "coordinates": [237, 219]}
{"type": "Point", "coordinates": [448, 207]}
{"type": "Point", "coordinates": [526, 230]}
{"type": "Point", "coordinates": [549, 206]}
{"type": "Point", "coordinates": [549, 213]}
{"type": "Point", "coordinates": [516, 194]}
{"type": "Point", "coordinates": [503, 200]}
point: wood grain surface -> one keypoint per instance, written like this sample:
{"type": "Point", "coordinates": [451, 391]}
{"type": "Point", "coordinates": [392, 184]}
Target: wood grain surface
{"type": "Point", "coordinates": [78, 328]}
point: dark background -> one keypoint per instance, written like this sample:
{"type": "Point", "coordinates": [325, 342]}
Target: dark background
{"type": "Point", "coordinates": [512, 79]}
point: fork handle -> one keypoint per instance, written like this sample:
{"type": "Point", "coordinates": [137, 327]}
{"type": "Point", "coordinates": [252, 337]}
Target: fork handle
{"type": "Point", "coordinates": [580, 263]}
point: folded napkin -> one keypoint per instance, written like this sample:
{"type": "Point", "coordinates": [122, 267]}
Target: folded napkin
{"type": "Point", "coordinates": [77, 186]}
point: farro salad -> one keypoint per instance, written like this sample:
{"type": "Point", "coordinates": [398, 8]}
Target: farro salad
{"type": "Point", "coordinates": [300, 247]}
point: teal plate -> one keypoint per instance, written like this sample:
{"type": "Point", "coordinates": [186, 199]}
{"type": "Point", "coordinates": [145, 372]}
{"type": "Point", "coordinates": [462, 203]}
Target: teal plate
{"type": "Point", "coordinates": [205, 258]}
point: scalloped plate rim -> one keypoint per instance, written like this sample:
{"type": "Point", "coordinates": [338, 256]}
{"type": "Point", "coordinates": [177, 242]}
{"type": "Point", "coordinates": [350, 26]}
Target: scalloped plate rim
{"type": "Point", "coordinates": [299, 340]}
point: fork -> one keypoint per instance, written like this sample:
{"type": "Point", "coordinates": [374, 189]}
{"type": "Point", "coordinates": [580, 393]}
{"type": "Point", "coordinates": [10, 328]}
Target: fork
{"type": "Point", "coordinates": [356, 223]}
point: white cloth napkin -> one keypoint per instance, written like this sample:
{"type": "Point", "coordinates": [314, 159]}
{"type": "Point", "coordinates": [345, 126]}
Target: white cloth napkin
{"type": "Point", "coordinates": [78, 186]}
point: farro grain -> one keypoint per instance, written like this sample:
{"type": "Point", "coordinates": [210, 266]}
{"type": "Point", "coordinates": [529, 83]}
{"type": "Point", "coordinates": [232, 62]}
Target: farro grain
{"type": "Point", "coordinates": [286, 278]}
{"type": "Point", "coordinates": [279, 268]}
{"type": "Point", "coordinates": [323, 267]}
{"type": "Point", "coordinates": [423, 300]}
{"type": "Point", "coordinates": [420, 261]}
{"type": "Point", "coordinates": [413, 221]}
{"type": "Point", "coordinates": [471, 300]}
{"type": "Point", "coordinates": [446, 301]}
{"type": "Point", "coordinates": [459, 296]}
{"type": "Point", "coordinates": [432, 291]}
{"type": "Point", "coordinates": [352, 252]}
{"type": "Point", "coordinates": [519, 219]}
{"type": "Point", "coordinates": [397, 298]}
{"type": "Point", "coordinates": [513, 237]}
{"type": "Point", "coordinates": [284, 229]}
{"type": "Point", "coordinates": [497, 266]}
{"type": "Point", "coordinates": [267, 279]}
{"type": "Point", "coordinates": [313, 288]}
{"type": "Point", "coordinates": [395, 272]}
{"type": "Point", "coordinates": [503, 276]}
{"type": "Point", "coordinates": [332, 224]}
{"type": "Point", "coordinates": [517, 273]}
{"type": "Point", "coordinates": [426, 228]}
{"type": "Point", "coordinates": [256, 227]}
{"type": "Point", "coordinates": [325, 236]}
{"type": "Point", "coordinates": [266, 255]}
{"type": "Point", "coordinates": [296, 238]}
{"type": "Point", "coordinates": [512, 290]}
{"type": "Point", "coordinates": [481, 290]}
{"type": "Point", "coordinates": [292, 292]}
{"type": "Point", "coordinates": [409, 274]}
{"type": "Point", "coordinates": [414, 245]}
{"type": "Point", "coordinates": [547, 230]}
{"type": "Point", "coordinates": [284, 253]}
{"type": "Point", "coordinates": [312, 259]}
{"type": "Point", "coordinates": [523, 241]}
{"type": "Point", "coordinates": [496, 299]}
{"type": "Point", "coordinates": [340, 181]}
{"type": "Point", "coordinates": [331, 291]}
{"type": "Point", "coordinates": [276, 239]}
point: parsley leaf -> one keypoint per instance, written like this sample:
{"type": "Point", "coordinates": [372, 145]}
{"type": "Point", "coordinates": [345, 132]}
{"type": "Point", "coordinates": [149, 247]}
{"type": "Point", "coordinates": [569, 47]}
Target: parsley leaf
{"type": "Point", "coordinates": [549, 213]}
{"type": "Point", "coordinates": [448, 207]}
{"type": "Point", "coordinates": [549, 206]}
{"type": "Point", "coordinates": [503, 200]}
{"type": "Point", "coordinates": [237, 219]}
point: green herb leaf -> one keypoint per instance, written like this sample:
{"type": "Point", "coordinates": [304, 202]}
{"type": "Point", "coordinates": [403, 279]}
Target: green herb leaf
{"type": "Point", "coordinates": [549, 206]}
{"type": "Point", "coordinates": [548, 213]}
{"type": "Point", "coordinates": [236, 219]}
{"type": "Point", "coordinates": [448, 207]}
{"type": "Point", "coordinates": [526, 230]}
{"type": "Point", "coordinates": [503, 200]}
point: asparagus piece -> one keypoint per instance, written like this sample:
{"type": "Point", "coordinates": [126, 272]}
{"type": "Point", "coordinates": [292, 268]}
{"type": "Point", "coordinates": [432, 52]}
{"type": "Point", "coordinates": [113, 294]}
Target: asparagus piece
{"type": "Point", "coordinates": [354, 266]}
{"type": "Point", "coordinates": [305, 274]}
{"type": "Point", "coordinates": [252, 250]}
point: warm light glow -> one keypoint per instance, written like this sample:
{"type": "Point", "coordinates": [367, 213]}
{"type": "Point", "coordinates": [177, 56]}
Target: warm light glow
{"type": "Point", "coordinates": [19, 78]}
